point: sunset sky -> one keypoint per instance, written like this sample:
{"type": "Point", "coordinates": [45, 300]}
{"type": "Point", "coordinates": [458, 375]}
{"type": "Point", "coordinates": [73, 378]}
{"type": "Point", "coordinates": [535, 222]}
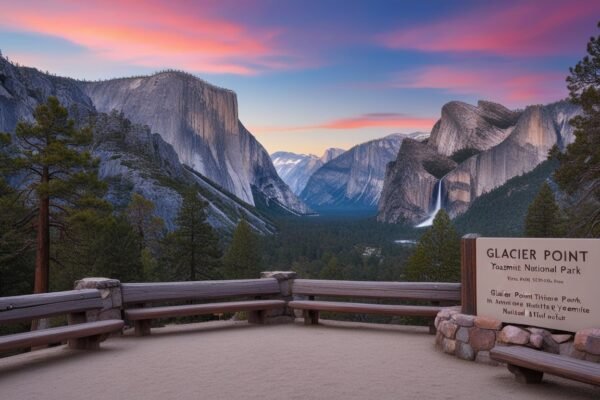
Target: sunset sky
{"type": "Point", "coordinates": [316, 74]}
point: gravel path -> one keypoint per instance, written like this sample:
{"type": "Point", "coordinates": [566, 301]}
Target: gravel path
{"type": "Point", "coordinates": [232, 360]}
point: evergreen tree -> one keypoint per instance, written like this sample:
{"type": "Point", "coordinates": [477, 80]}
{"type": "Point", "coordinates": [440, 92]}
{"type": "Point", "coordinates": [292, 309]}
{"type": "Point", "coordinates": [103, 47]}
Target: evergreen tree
{"type": "Point", "coordinates": [192, 251]}
{"type": "Point", "coordinates": [16, 255]}
{"type": "Point", "coordinates": [579, 170]}
{"type": "Point", "coordinates": [543, 217]}
{"type": "Point", "coordinates": [106, 245]}
{"type": "Point", "coordinates": [149, 229]}
{"type": "Point", "coordinates": [242, 259]}
{"type": "Point", "coordinates": [58, 178]}
{"type": "Point", "coordinates": [437, 255]}
{"type": "Point", "coordinates": [140, 214]}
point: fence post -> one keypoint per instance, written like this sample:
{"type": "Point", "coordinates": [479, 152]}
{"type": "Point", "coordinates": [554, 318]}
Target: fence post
{"type": "Point", "coordinates": [468, 273]}
{"type": "Point", "coordinates": [285, 280]}
{"type": "Point", "coordinates": [110, 290]}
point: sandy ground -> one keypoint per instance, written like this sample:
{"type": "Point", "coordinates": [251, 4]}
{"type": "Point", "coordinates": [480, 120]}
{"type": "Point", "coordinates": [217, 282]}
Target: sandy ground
{"type": "Point", "coordinates": [226, 360]}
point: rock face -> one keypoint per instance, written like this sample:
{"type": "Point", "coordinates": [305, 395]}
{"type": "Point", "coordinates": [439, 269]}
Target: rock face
{"type": "Point", "coordinates": [408, 191]}
{"type": "Point", "coordinates": [22, 89]}
{"type": "Point", "coordinates": [354, 180]}
{"type": "Point", "coordinates": [295, 169]}
{"type": "Point", "coordinates": [132, 159]}
{"type": "Point", "coordinates": [491, 145]}
{"type": "Point", "coordinates": [330, 154]}
{"type": "Point", "coordinates": [201, 122]}
{"type": "Point", "coordinates": [537, 130]}
{"type": "Point", "coordinates": [463, 126]}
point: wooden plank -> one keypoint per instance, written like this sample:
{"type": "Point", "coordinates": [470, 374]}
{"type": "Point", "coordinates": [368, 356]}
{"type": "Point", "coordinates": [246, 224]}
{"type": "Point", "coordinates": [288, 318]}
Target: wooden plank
{"type": "Point", "coordinates": [553, 364]}
{"type": "Point", "coordinates": [364, 308]}
{"type": "Point", "coordinates": [468, 273]}
{"type": "Point", "coordinates": [437, 291]}
{"type": "Point", "coordinates": [57, 335]}
{"type": "Point", "coordinates": [200, 309]}
{"type": "Point", "coordinates": [48, 310]}
{"type": "Point", "coordinates": [31, 300]}
{"type": "Point", "coordinates": [170, 291]}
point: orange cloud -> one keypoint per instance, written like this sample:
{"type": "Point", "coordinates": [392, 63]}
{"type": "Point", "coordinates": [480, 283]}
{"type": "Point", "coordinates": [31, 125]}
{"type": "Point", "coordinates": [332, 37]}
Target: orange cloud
{"type": "Point", "coordinates": [394, 121]}
{"type": "Point", "coordinates": [504, 84]}
{"type": "Point", "coordinates": [380, 120]}
{"type": "Point", "coordinates": [518, 29]}
{"type": "Point", "coordinates": [153, 34]}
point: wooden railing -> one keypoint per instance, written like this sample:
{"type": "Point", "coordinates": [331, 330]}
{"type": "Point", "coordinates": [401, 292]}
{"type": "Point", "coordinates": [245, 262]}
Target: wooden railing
{"type": "Point", "coordinates": [82, 332]}
{"type": "Point", "coordinates": [108, 305]}
{"type": "Point", "coordinates": [434, 293]}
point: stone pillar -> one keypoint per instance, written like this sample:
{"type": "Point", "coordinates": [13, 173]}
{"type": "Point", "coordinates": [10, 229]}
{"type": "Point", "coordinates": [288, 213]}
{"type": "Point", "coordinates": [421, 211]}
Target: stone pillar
{"type": "Point", "coordinates": [110, 290]}
{"type": "Point", "coordinates": [285, 279]}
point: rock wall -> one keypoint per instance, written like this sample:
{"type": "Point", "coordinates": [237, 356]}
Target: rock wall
{"type": "Point", "coordinates": [132, 158]}
{"type": "Point", "coordinates": [22, 89]}
{"type": "Point", "coordinates": [506, 144]}
{"type": "Point", "coordinates": [537, 130]}
{"type": "Point", "coordinates": [471, 338]}
{"type": "Point", "coordinates": [408, 189]}
{"type": "Point", "coordinates": [201, 122]}
{"type": "Point", "coordinates": [463, 126]}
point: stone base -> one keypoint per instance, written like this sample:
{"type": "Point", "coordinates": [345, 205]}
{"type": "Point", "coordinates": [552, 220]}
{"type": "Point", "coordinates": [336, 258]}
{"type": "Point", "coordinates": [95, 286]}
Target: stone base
{"type": "Point", "coordinates": [471, 338]}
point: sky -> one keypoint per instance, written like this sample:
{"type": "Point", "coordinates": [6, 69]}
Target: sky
{"type": "Point", "coordinates": [315, 74]}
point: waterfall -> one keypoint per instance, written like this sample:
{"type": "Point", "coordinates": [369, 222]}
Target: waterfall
{"type": "Point", "coordinates": [438, 206]}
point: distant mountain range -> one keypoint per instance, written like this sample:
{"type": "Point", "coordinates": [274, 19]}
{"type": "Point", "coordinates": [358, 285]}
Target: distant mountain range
{"type": "Point", "coordinates": [472, 150]}
{"type": "Point", "coordinates": [352, 180]}
{"type": "Point", "coordinates": [296, 169]}
{"type": "Point", "coordinates": [159, 134]}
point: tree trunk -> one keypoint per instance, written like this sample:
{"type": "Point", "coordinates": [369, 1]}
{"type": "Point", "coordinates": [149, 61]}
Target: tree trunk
{"type": "Point", "coordinates": [42, 254]}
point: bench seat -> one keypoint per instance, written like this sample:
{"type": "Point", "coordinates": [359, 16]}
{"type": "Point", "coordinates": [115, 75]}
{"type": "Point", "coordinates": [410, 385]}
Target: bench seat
{"type": "Point", "coordinates": [528, 365]}
{"type": "Point", "coordinates": [59, 334]}
{"type": "Point", "coordinates": [365, 308]}
{"type": "Point", "coordinates": [136, 314]}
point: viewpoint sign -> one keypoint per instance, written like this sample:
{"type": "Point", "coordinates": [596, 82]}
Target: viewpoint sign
{"type": "Point", "coordinates": [552, 283]}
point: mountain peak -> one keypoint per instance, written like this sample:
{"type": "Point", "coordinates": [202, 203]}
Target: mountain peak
{"type": "Point", "coordinates": [330, 154]}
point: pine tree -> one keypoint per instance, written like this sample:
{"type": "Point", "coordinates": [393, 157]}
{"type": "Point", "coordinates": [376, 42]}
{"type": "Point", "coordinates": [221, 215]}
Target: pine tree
{"type": "Point", "coordinates": [140, 214]}
{"type": "Point", "coordinates": [543, 217]}
{"type": "Point", "coordinates": [149, 229]}
{"type": "Point", "coordinates": [579, 170]}
{"type": "Point", "coordinates": [437, 255]}
{"type": "Point", "coordinates": [242, 259]}
{"type": "Point", "coordinates": [58, 178]}
{"type": "Point", "coordinates": [192, 251]}
{"type": "Point", "coordinates": [106, 245]}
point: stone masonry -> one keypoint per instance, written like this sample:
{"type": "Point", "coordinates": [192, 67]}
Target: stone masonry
{"type": "Point", "coordinates": [471, 337]}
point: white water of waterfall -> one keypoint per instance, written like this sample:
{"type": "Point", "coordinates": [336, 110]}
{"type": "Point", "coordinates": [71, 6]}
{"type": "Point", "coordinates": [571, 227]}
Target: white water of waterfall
{"type": "Point", "coordinates": [438, 206]}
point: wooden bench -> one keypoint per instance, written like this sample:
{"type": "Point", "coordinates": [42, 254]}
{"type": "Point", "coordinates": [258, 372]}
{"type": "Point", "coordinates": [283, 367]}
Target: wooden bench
{"type": "Point", "coordinates": [433, 292]}
{"type": "Point", "coordinates": [139, 297]}
{"type": "Point", "coordinates": [528, 365]}
{"type": "Point", "coordinates": [79, 333]}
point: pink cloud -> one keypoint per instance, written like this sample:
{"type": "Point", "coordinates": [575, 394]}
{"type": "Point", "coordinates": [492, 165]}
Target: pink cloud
{"type": "Point", "coordinates": [374, 120]}
{"type": "Point", "coordinates": [153, 34]}
{"type": "Point", "coordinates": [503, 84]}
{"type": "Point", "coordinates": [525, 28]}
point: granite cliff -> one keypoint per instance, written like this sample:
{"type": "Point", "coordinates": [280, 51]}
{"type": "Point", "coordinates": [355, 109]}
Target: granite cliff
{"type": "Point", "coordinates": [201, 122]}
{"type": "Point", "coordinates": [488, 145]}
{"type": "Point", "coordinates": [132, 157]}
